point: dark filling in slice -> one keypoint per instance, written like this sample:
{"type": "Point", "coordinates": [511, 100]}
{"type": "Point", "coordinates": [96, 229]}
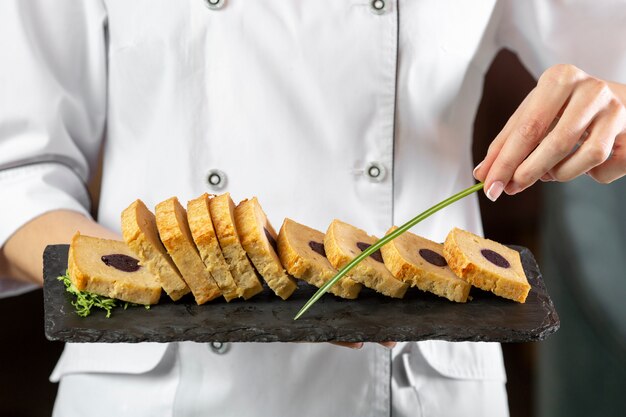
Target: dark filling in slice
{"type": "Point", "coordinates": [271, 239]}
{"type": "Point", "coordinates": [122, 262]}
{"type": "Point", "coordinates": [432, 257]}
{"type": "Point", "coordinates": [495, 258]}
{"type": "Point", "coordinates": [317, 247]}
{"type": "Point", "coordinates": [376, 255]}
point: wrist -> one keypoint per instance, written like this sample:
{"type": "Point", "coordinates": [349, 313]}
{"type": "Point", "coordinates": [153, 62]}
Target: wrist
{"type": "Point", "coordinates": [21, 257]}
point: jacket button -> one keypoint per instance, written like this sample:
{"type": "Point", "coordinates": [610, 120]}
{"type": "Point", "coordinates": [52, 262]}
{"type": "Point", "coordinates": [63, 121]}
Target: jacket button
{"type": "Point", "coordinates": [214, 4]}
{"type": "Point", "coordinates": [216, 179]}
{"type": "Point", "coordinates": [378, 6]}
{"type": "Point", "coordinates": [376, 172]}
{"type": "Point", "coordinates": [219, 347]}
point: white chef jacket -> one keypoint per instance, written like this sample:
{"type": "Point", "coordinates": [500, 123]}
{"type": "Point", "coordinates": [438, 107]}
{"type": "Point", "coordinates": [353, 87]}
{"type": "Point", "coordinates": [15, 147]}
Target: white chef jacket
{"type": "Point", "coordinates": [323, 109]}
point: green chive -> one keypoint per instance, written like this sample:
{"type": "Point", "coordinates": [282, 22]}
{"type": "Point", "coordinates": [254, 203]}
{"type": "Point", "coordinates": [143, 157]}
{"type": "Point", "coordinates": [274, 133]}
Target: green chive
{"type": "Point", "coordinates": [386, 239]}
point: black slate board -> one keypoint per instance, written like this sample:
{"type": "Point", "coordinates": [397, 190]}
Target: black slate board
{"type": "Point", "coordinates": [267, 318]}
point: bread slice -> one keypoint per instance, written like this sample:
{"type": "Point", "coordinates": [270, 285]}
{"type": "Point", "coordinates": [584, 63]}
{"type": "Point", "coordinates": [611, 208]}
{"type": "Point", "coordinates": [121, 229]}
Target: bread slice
{"type": "Point", "coordinates": [171, 220]}
{"type": "Point", "coordinates": [222, 211]}
{"type": "Point", "coordinates": [203, 233]}
{"type": "Point", "coordinates": [258, 238]}
{"type": "Point", "coordinates": [486, 264]}
{"type": "Point", "coordinates": [109, 268]}
{"type": "Point", "coordinates": [141, 235]}
{"type": "Point", "coordinates": [420, 263]}
{"type": "Point", "coordinates": [343, 242]}
{"type": "Point", "coordinates": [301, 251]}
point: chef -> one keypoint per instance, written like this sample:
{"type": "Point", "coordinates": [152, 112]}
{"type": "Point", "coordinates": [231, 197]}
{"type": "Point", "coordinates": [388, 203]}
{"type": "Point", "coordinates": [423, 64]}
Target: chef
{"type": "Point", "coordinates": [352, 109]}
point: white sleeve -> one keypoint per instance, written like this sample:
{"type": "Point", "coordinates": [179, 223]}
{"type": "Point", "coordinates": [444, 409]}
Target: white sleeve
{"type": "Point", "coordinates": [52, 107]}
{"type": "Point", "coordinates": [588, 34]}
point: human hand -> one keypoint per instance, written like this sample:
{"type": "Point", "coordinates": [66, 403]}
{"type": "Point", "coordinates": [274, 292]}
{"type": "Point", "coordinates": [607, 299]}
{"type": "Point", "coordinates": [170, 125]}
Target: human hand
{"type": "Point", "coordinates": [359, 345]}
{"type": "Point", "coordinates": [580, 107]}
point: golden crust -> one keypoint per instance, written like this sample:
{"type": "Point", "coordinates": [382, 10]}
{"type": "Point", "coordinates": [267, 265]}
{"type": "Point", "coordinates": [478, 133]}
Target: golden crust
{"type": "Point", "coordinates": [253, 228]}
{"type": "Point", "coordinates": [75, 273]}
{"type": "Point", "coordinates": [222, 211]}
{"type": "Point", "coordinates": [402, 258]}
{"type": "Point", "coordinates": [171, 220]}
{"type": "Point", "coordinates": [340, 243]}
{"type": "Point", "coordinates": [304, 263]}
{"type": "Point", "coordinates": [203, 233]}
{"type": "Point", "coordinates": [462, 252]}
{"type": "Point", "coordinates": [88, 273]}
{"type": "Point", "coordinates": [140, 234]}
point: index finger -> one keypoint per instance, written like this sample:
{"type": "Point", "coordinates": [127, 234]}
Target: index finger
{"type": "Point", "coordinates": [530, 127]}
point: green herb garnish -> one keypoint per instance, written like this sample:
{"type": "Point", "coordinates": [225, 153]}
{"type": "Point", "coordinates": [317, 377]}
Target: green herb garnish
{"type": "Point", "coordinates": [85, 300]}
{"type": "Point", "coordinates": [386, 239]}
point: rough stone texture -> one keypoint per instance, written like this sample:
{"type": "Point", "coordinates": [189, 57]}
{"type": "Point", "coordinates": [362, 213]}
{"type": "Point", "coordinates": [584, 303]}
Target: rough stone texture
{"type": "Point", "coordinates": [267, 318]}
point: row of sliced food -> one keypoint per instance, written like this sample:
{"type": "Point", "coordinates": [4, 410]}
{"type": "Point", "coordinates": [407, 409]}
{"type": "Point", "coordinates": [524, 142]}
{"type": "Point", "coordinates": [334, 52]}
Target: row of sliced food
{"type": "Point", "coordinates": [215, 248]}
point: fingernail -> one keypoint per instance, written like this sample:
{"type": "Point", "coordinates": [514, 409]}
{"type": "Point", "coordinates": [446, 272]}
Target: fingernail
{"type": "Point", "coordinates": [495, 190]}
{"type": "Point", "coordinates": [512, 188]}
{"type": "Point", "coordinates": [547, 178]}
{"type": "Point", "coordinates": [357, 345]}
{"type": "Point", "coordinates": [477, 168]}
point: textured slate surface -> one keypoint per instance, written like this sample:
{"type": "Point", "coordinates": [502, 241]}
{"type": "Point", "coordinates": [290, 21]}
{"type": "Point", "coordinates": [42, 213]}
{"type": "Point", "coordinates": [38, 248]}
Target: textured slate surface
{"type": "Point", "coordinates": [266, 318]}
